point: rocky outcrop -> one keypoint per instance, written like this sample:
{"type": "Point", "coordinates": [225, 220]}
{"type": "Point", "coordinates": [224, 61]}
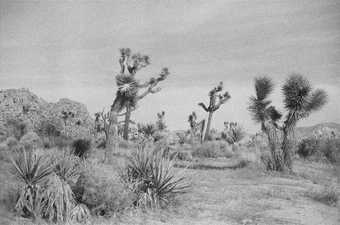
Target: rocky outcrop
{"type": "Point", "coordinates": [22, 105]}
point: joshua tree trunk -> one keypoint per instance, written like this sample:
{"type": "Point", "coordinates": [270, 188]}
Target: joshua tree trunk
{"type": "Point", "coordinates": [207, 131]}
{"type": "Point", "coordinates": [111, 134]}
{"type": "Point", "coordinates": [127, 122]}
{"type": "Point", "coordinates": [286, 151]}
{"type": "Point", "coordinates": [276, 155]}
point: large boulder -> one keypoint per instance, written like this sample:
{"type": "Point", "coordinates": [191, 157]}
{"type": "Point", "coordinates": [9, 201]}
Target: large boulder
{"type": "Point", "coordinates": [20, 105]}
{"type": "Point", "coordinates": [75, 118]}
{"type": "Point", "coordinates": [72, 118]}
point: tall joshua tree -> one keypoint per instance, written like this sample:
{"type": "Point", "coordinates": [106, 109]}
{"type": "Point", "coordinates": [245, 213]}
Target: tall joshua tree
{"type": "Point", "coordinates": [299, 101]}
{"type": "Point", "coordinates": [216, 99]}
{"type": "Point", "coordinates": [129, 88]}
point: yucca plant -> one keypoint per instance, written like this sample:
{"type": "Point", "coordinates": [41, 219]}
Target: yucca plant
{"type": "Point", "coordinates": [233, 132]}
{"type": "Point", "coordinates": [152, 177]}
{"type": "Point", "coordinates": [299, 101]}
{"type": "Point", "coordinates": [61, 199]}
{"type": "Point", "coordinates": [148, 130]}
{"type": "Point", "coordinates": [33, 171]}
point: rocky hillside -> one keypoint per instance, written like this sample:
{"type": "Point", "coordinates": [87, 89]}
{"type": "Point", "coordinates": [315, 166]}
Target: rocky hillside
{"type": "Point", "coordinates": [322, 130]}
{"type": "Point", "coordinates": [23, 105]}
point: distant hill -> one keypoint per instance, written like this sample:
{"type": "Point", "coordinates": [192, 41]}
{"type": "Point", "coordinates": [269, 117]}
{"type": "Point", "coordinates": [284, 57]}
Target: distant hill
{"type": "Point", "coordinates": [319, 130]}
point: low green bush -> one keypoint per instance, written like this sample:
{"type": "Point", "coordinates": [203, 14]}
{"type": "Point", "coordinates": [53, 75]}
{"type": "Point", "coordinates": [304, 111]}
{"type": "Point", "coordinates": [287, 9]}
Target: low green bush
{"type": "Point", "coordinates": [212, 149]}
{"type": "Point", "coordinates": [81, 148]}
{"type": "Point", "coordinates": [103, 195]}
{"type": "Point", "coordinates": [318, 149]}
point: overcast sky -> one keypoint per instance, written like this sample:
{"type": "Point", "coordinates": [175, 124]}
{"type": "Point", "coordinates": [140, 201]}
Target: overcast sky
{"type": "Point", "coordinates": [70, 49]}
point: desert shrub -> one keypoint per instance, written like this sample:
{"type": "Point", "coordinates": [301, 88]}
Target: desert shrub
{"type": "Point", "coordinates": [330, 149]}
{"type": "Point", "coordinates": [16, 128]}
{"type": "Point", "coordinates": [147, 130]}
{"type": "Point", "coordinates": [152, 178]}
{"type": "Point", "coordinates": [103, 195]}
{"type": "Point", "coordinates": [60, 142]}
{"type": "Point", "coordinates": [317, 149]}
{"type": "Point", "coordinates": [81, 147]}
{"type": "Point", "coordinates": [307, 147]}
{"type": "Point", "coordinates": [31, 140]}
{"type": "Point", "coordinates": [212, 149]}
{"type": "Point", "coordinates": [11, 142]}
{"type": "Point", "coordinates": [49, 128]}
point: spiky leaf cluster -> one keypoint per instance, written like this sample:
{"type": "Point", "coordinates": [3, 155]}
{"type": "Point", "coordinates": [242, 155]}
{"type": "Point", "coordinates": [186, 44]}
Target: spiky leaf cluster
{"type": "Point", "coordinates": [259, 105]}
{"type": "Point", "coordinates": [153, 178]}
{"type": "Point", "coordinates": [299, 98]}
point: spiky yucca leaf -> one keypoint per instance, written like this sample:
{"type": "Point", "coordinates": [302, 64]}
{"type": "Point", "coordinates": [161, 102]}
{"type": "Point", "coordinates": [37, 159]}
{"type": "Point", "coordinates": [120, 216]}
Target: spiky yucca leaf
{"type": "Point", "coordinates": [316, 100]}
{"type": "Point", "coordinates": [153, 178]}
{"type": "Point", "coordinates": [263, 87]}
{"type": "Point", "coordinates": [257, 108]}
{"type": "Point", "coordinates": [80, 214]}
{"type": "Point", "coordinates": [60, 199]}
{"type": "Point", "coordinates": [31, 168]}
{"type": "Point", "coordinates": [296, 91]}
{"type": "Point", "coordinates": [67, 168]}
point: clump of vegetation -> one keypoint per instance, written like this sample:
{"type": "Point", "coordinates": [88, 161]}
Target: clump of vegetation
{"type": "Point", "coordinates": [147, 130]}
{"type": "Point", "coordinates": [81, 148]}
{"type": "Point", "coordinates": [196, 128]}
{"type": "Point", "coordinates": [299, 101]}
{"type": "Point", "coordinates": [46, 193]}
{"type": "Point", "coordinates": [233, 132]}
{"type": "Point", "coordinates": [216, 99]}
{"type": "Point", "coordinates": [33, 171]}
{"type": "Point", "coordinates": [31, 141]}
{"type": "Point", "coordinates": [160, 123]}
{"type": "Point", "coordinates": [212, 149]}
{"type": "Point", "coordinates": [103, 195]}
{"type": "Point", "coordinates": [307, 147]}
{"type": "Point", "coordinates": [152, 177]}
{"type": "Point", "coordinates": [16, 127]}
{"type": "Point", "coordinates": [313, 148]}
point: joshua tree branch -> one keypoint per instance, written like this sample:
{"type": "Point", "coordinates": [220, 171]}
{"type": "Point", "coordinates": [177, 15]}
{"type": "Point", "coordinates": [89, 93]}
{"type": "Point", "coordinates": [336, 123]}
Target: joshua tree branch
{"type": "Point", "coordinates": [203, 106]}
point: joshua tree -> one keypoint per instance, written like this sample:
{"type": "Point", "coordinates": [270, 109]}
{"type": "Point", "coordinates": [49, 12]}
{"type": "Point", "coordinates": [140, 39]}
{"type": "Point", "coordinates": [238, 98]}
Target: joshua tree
{"type": "Point", "coordinates": [216, 99]}
{"type": "Point", "coordinates": [299, 101]}
{"type": "Point", "coordinates": [160, 123]}
{"type": "Point", "coordinates": [233, 132]}
{"type": "Point", "coordinates": [128, 94]}
{"type": "Point", "coordinates": [196, 126]}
